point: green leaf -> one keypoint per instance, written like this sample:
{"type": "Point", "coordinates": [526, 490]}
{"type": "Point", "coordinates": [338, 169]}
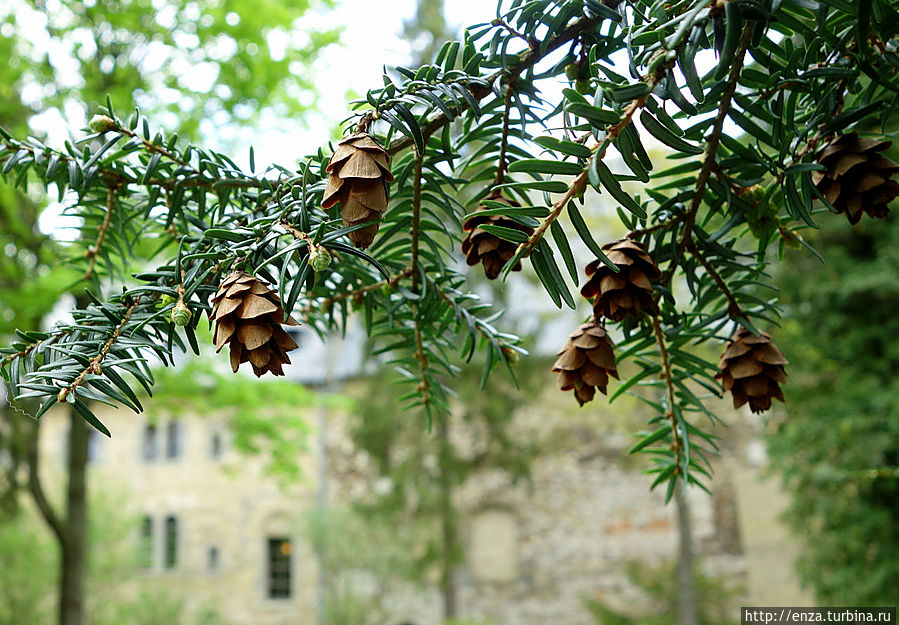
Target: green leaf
{"type": "Point", "coordinates": [82, 409]}
{"type": "Point", "coordinates": [733, 26]}
{"type": "Point", "coordinates": [663, 134]}
{"type": "Point", "coordinates": [566, 147]}
{"type": "Point", "coordinates": [539, 166]}
{"type": "Point", "coordinates": [507, 234]}
{"type": "Point", "coordinates": [151, 167]}
{"type": "Point", "coordinates": [236, 235]}
{"type": "Point", "coordinates": [561, 240]}
{"type": "Point", "coordinates": [649, 439]}
{"type": "Point", "coordinates": [551, 186]}
{"type": "Point", "coordinates": [410, 120]}
{"type": "Point", "coordinates": [630, 92]}
{"type": "Point", "coordinates": [583, 231]}
{"type": "Point", "coordinates": [597, 116]}
{"type": "Point", "coordinates": [499, 208]}
{"type": "Point", "coordinates": [610, 183]}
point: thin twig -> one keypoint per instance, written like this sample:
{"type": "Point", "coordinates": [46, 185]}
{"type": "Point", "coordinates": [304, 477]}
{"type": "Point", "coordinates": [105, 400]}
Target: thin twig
{"type": "Point", "coordinates": [531, 41]}
{"type": "Point", "coordinates": [599, 151]}
{"type": "Point", "coordinates": [734, 310]}
{"type": "Point", "coordinates": [480, 91]}
{"type": "Point", "coordinates": [330, 301]}
{"type": "Point", "coordinates": [423, 387]}
{"type": "Point", "coordinates": [94, 250]}
{"type": "Point", "coordinates": [504, 139]}
{"type": "Point", "coordinates": [714, 139]}
{"type": "Point", "coordinates": [149, 145]}
{"type": "Point", "coordinates": [95, 362]}
{"type": "Point", "coordinates": [636, 234]}
{"type": "Point", "coordinates": [666, 374]}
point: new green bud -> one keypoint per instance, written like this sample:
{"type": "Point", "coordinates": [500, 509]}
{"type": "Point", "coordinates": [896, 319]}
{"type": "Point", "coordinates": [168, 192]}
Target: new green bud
{"type": "Point", "coordinates": [512, 356]}
{"type": "Point", "coordinates": [319, 258]}
{"type": "Point", "coordinates": [181, 314]}
{"type": "Point", "coordinates": [101, 123]}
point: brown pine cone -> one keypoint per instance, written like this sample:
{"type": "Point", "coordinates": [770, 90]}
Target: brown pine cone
{"type": "Point", "coordinates": [359, 172]}
{"type": "Point", "coordinates": [483, 247]}
{"type": "Point", "coordinates": [248, 316]}
{"type": "Point", "coordinates": [627, 292]}
{"type": "Point", "coordinates": [858, 177]}
{"type": "Point", "coordinates": [752, 369]}
{"type": "Point", "coordinates": [586, 361]}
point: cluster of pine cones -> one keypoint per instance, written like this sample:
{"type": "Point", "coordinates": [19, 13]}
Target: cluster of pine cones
{"type": "Point", "coordinates": [587, 359]}
{"type": "Point", "coordinates": [856, 179]}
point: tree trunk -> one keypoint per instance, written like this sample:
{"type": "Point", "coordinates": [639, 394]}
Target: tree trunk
{"type": "Point", "coordinates": [70, 531]}
{"type": "Point", "coordinates": [74, 553]}
{"type": "Point", "coordinates": [686, 581]}
{"type": "Point", "coordinates": [448, 530]}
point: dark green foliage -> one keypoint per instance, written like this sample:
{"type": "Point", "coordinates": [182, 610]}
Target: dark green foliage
{"type": "Point", "coordinates": [791, 73]}
{"type": "Point", "coordinates": [715, 605]}
{"type": "Point", "coordinates": [838, 445]}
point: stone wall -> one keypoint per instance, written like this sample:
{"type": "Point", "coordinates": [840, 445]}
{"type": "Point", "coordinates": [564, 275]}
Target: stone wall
{"type": "Point", "coordinates": [535, 549]}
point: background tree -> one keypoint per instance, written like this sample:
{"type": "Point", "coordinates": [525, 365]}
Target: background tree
{"type": "Point", "coordinates": [795, 75]}
{"type": "Point", "coordinates": [836, 447]}
{"type": "Point", "coordinates": [131, 52]}
{"type": "Point", "coordinates": [423, 470]}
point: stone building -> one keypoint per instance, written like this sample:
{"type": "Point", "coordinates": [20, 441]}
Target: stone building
{"type": "Point", "coordinates": [212, 525]}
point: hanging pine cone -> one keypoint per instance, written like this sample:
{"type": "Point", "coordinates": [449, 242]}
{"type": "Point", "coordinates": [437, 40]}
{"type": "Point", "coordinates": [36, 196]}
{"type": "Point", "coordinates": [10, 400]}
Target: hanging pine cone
{"type": "Point", "coordinates": [586, 361]}
{"type": "Point", "coordinates": [628, 292]}
{"type": "Point", "coordinates": [248, 316]}
{"type": "Point", "coordinates": [487, 248]}
{"type": "Point", "coordinates": [752, 369]}
{"type": "Point", "coordinates": [858, 177]}
{"type": "Point", "coordinates": [359, 172]}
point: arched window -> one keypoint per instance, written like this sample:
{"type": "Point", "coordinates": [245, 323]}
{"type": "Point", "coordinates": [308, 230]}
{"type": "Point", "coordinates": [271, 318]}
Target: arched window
{"type": "Point", "coordinates": [171, 542]}
{"type": "Point", "coordinates": [145, 555]}
{"type": "Point", "coordinates": [493, 546]}
{"type": "Point", "coordinates": [173, 440]}
{"type": "Point", "coordinates": [150, 444]}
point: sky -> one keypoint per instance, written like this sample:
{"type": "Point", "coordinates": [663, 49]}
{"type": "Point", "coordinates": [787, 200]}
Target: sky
{"type": "Point", "coordinates": [372, 38]}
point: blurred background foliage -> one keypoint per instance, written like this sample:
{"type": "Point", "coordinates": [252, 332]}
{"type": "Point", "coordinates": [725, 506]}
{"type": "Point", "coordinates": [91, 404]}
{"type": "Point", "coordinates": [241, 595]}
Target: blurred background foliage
{"type": "Point", "coordinates": [838, 444]}
{"type": "Point", "coordinates": [659, 590]}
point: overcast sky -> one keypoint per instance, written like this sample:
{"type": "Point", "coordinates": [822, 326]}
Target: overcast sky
{"type": "Point", "coordinates": [372, 38]}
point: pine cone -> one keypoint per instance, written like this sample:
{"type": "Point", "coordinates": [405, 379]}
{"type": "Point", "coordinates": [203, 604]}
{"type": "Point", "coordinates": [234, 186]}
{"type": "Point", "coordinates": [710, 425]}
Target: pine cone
{"type": "Point", "coordinates": [627, 292]}
{"type": "Point", "coordinates": [483, 247]}
{"type": "Point", "coordinates": [858, 178]}
{"type": "Point", "coordinates": [359, 172]}
{"type": "Point", "coordinates": [586, 361]}
{"type": "Point", "coordinates": [752, 369]}
{"type": "Point", "coordinates": [248, 316]}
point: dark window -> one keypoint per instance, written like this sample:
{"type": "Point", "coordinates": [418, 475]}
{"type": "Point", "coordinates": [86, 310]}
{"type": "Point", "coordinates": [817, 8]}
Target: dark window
{"type": "Point", "coordinates": [173, 440]}
{"type": "Point", "coordinates": [215, 446]}
{"type": "Point", "coordinates": [145, 556]}
{"type": "Point", "coordinates": [213, 559]}
{"type": "Point", "coordinates": [171, 542]}
{"type": "Point", "coordinates": [279, 550]}
{"type": "Point", "coordinates": [150, 443]}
